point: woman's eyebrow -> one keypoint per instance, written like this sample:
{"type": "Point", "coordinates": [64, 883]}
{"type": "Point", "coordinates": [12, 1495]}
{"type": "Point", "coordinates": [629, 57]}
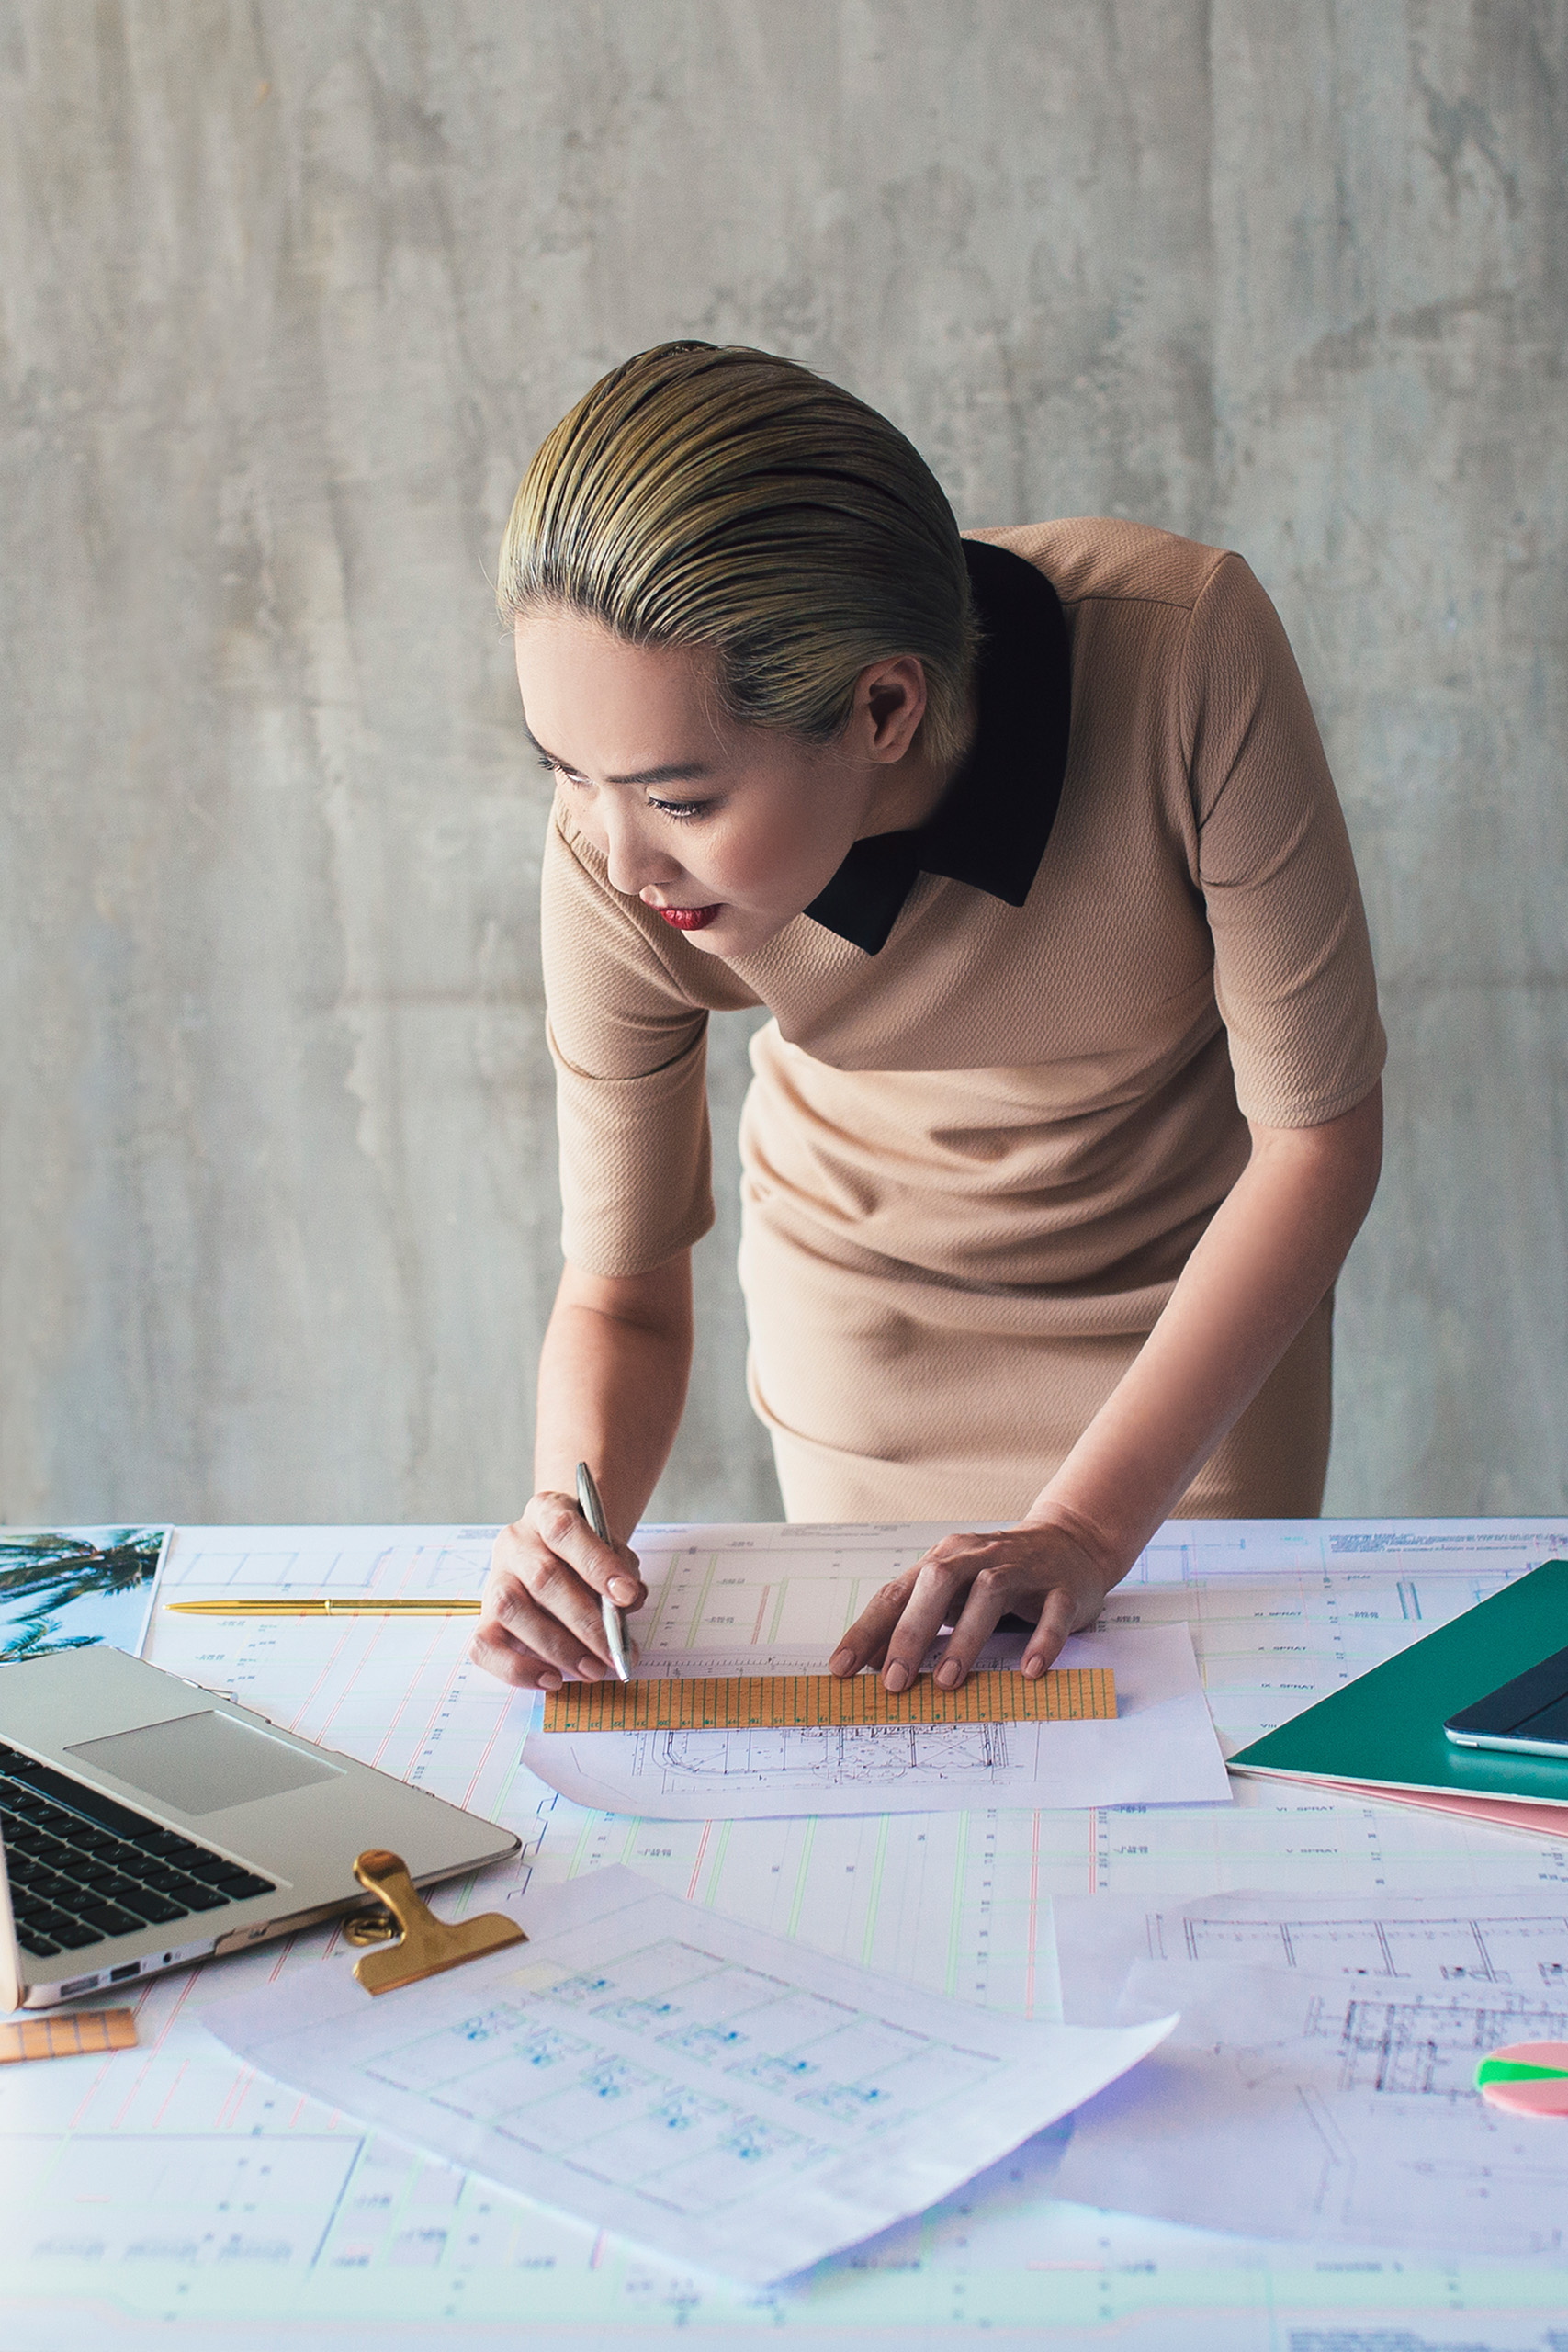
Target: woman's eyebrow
{"type": "Point", "coordinates": [677, 772]}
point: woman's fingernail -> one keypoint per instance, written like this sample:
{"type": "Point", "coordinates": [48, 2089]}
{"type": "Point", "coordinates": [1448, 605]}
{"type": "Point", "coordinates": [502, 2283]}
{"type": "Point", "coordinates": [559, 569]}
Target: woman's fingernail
{"type": "Point", "coordinates": [896, 1678]}
{"type": "Point", "coordinates": [591, 1669]}
{"type": "Point", "coordinates": [622, 1589]}
{"type": "Point", "coordinates": [840, 1661]}
{"type": "Point", "coordinates": [1035, 1668]}
{"type": "Point", "coordinates": [948, 1674]}
{"type": "Point", "coordinates": [549, 1680]}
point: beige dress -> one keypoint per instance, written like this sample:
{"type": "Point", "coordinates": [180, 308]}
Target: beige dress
{"type": "Point", "coordinates": [978, 1151]}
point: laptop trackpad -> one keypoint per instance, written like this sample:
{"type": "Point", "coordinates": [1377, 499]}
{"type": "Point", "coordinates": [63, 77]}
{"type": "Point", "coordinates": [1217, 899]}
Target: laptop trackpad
{"type": "Point", "coordinates": [203, 1763]}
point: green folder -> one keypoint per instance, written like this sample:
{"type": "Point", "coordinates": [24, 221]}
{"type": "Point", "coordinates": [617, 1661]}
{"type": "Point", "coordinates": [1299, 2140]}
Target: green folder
{"type": "Point", "coordinates": [1387, 1726]}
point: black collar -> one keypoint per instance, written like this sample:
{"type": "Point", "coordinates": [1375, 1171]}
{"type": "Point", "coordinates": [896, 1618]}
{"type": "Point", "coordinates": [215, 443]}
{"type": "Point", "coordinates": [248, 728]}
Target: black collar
{"type": "Point", "coordinates": [994, 820]}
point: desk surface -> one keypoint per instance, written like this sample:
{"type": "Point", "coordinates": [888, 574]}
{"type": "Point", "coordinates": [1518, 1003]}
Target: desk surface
{"type": "Point", "coordinates": [166, 2190]}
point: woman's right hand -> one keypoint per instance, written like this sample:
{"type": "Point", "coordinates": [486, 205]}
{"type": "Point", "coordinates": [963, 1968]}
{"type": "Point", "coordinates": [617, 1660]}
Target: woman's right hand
{"type": "Point", "coordinates": [541, 1618]}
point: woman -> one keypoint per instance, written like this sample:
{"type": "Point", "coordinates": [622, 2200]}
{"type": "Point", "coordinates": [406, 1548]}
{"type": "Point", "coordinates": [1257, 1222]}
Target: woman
{"type": "Point", "coordinates": [1069, 1108]}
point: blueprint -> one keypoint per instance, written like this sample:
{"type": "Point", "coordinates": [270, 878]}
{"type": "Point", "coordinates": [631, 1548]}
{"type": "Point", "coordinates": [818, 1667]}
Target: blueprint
{"type": "Point", "coordinates": [1159, 1750]}
{"type": "Point", "coordinates": [716, 2094]}
{"type": "Point", "coordinates": [1293, 2105]}
{"type": "Point", "coordinates": [169, 2189]}
{"type": "Point", "coordinates": [1517, 1945]}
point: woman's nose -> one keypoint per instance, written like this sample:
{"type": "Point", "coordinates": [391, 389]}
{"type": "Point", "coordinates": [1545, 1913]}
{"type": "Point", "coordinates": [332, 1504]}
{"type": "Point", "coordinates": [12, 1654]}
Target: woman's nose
{"type": "Point", "coordinates": [633, 862]}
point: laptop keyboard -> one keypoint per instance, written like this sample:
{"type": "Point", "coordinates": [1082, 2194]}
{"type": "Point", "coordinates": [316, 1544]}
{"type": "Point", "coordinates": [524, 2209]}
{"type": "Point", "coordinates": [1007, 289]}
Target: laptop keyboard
{"type": "Point", "coordinates": [83, 1868]}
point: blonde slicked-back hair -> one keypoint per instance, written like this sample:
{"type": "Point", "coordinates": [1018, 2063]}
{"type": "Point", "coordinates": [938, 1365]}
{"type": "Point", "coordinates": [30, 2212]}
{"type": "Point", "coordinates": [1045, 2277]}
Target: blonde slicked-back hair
{"type": "Point", "coordinates": [717, 496]}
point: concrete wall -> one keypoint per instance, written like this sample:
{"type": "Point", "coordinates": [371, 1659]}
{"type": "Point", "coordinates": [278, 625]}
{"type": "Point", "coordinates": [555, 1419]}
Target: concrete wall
{"type": "Point", "coordinates": [288, 293]}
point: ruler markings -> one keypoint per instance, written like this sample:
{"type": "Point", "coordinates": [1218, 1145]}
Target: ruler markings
{"type": "Point", "coordinates": [778, 1701]}
{"type": "Point", "coordinates": [77, 2033]}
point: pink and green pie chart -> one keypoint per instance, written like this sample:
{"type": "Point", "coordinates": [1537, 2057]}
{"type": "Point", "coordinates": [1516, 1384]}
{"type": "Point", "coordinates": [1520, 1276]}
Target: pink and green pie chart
{"type": "Point", "coordinates": [1526, 2078]}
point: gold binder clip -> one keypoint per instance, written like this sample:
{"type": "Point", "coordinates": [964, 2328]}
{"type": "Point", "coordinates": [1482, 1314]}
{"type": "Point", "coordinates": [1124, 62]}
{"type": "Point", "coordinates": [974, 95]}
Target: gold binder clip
{"type": "Point", "coordinates": [427, 1944]}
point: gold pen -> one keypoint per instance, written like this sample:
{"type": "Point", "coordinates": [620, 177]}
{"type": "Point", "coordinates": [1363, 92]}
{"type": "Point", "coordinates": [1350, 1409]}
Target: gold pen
{"type": "Point", "coordinates": [592, 1510]}
{"type": "Point", "coordinates": [323, 1608]}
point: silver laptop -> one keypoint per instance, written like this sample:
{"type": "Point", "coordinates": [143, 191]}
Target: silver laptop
{"type": "Point", "coordinates": [146, 1823]}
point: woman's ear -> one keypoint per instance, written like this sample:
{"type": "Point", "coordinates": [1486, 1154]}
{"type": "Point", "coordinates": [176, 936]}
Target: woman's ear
{"type": "Point", "coordinates": [890, 702]}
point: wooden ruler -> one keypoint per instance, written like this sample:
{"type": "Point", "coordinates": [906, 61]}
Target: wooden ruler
{"type": "Point", "coordinates": [775, 1701]}
{"type": "Point", "coordinates": [75, 2034]}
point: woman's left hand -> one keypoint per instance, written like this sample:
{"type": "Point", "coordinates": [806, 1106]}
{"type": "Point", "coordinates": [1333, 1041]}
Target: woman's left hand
{"type": "Point", "coordinates": [1045, 1573]}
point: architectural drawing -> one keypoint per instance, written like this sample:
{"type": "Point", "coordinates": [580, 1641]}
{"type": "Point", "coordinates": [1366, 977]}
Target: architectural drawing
{"type": "Point", "coordinates": [1286, 2106]}
{"type": "Point", "coordinates": [835, 1753]}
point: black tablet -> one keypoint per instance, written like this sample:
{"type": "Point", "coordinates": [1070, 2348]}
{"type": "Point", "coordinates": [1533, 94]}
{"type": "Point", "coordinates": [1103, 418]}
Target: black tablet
{"type": "Point", "coordinates": [1529, 1716]}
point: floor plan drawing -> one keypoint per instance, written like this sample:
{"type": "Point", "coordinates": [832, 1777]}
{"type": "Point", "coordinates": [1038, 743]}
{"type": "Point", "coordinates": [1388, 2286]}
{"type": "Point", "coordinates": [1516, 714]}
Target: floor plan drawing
{"type": "Point", "coordinates": [1517, 1945]}
{"type": "Point", "coordinates": [712, 2093]}
{"type": "Point", "coordinates": [1159, 1750]}
{"type": "Point", "coordinates": [1422, 2048]}
{"type": "Point", "coordinates": [836, 1752]}
{"type": "Point", "coordinates": [1301, 2107]}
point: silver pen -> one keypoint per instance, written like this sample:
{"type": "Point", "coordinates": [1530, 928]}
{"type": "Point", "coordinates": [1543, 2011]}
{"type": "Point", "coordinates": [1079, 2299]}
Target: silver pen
{"type": "Point", "coordinates": [592, 1510]}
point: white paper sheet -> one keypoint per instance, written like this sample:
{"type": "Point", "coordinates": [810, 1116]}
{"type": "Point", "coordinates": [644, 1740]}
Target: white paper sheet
{"type": "Point", "coordinates": [1161, 1750]}
{"type": "Point", "coordinates": [1291, 2106]}
{"type": "Point", "coordinates": [1510, 1943]}
{"type": "Point", "coordinates": [717, 2095]}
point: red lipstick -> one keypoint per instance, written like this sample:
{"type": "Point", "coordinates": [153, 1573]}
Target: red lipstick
{"type": "Point", "coordinates": [690, 918]}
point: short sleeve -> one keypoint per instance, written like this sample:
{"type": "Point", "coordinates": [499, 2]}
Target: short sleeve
{"type": "Point", "coordinates": [1293, 976]}
{"type": "Point", "coordinates": [630, 1051]}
